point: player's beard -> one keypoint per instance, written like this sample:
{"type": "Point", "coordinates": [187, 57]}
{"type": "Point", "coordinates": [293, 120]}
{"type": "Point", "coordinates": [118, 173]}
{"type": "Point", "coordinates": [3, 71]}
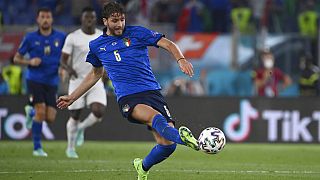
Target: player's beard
{"type": "Point", "coordinates": [116, 32]}
{"type": "Point", "coordinates": [45, 26]}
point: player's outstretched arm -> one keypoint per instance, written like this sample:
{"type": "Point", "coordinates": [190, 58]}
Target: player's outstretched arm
{"type": "Point", "coordinates": [185, 66]}
{"type": "Point", "coordinates": [90, 80]}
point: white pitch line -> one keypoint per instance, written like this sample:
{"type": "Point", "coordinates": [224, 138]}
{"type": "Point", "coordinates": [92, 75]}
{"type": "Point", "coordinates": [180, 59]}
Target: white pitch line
{"type": "Point", "coordinates": [179, 171]}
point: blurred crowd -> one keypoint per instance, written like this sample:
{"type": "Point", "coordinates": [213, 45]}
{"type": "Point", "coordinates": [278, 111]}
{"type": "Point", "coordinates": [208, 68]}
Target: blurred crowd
{"type": "Point", "coordinates": [248, 16]}
{"type": "Point", "coordinates": [187, 15]}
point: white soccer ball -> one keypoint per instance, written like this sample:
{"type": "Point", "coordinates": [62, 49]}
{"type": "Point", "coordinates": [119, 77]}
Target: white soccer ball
{"type": "Point", "coordinates": [212, 140]}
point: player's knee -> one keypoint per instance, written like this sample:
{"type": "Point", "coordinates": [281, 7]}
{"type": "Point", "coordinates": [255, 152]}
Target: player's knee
{"type": "Point", "coordinates": [98, 111]}
{"type": "Point", "coordinates": [50, 119]}
{"type": "Point", "coordinates": [75, 114]}
{"type": "Point", "coordinates": [98, 114]}
{"type": "Point", "coordinates": [40, 114]}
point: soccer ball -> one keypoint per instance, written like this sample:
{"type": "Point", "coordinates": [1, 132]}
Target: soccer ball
{"type": "Point", "coordinates": [212, 140]}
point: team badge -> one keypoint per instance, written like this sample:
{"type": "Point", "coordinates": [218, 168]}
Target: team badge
{"type": "Point", "coordinates": [126, 108]}
{"type": "Point", "coordinates": [126, 42]}
{"type": "Point", "coordinates": [56, 43]}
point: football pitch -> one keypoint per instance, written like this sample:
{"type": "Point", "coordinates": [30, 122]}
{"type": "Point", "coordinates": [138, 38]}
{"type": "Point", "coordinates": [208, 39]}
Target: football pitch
{"type": "Point", "coordinates": [112, 160]}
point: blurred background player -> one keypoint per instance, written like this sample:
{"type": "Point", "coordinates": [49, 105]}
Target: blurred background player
{"type": "Point", "coordinates": [44, 49]}
{"type": "Point", "coordinates": [77, 47]}
{"type": "Point", "coordinates": [123, 52]}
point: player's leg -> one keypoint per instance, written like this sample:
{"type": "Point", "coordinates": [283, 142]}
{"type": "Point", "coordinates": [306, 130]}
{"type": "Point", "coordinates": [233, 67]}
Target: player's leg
{"type": "Point", "coordinates": [50, 101]}
{"type": "Point", "coordinates": [51, 113]}
{"type": "Point", "coordinates": [147, 115]}
{"type": "Point", "coordinates": [37, 92]}
{"type": "Point", "coordinates": [72, 124]}
{"type": "Point", "coordinates": [96, 98]}
{"type": "Point", "coordinates": [40, 115]}
{"type": "Point", "coordinates": [72, 127]}
{"type": "Point", "coordinates": [30, 112]}
{"type": "Point", "coordinates": [97, 111]}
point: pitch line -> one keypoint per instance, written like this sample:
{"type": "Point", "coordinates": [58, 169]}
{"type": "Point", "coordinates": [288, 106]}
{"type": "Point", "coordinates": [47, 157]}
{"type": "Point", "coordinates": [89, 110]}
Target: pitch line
{"type": "Point", "coordinates": [175, 171]}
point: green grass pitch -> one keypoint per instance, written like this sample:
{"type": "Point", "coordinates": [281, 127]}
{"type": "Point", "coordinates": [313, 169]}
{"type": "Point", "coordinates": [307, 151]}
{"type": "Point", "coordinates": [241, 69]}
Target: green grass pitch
{"type": "Point", "coordinates": [112, 160]}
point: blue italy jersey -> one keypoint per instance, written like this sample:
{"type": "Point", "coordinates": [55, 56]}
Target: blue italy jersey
{"type": "Point", "coordinates": [126, 59]}
{"type": "Point", "coordinates": [48, 49]}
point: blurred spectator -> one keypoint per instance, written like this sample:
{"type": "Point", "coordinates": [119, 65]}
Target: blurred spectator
{"type": "Point", "coordinates": [56, 6]}
{"type": "Point", "coordinates": [275, 13]}
{"type": "Point", "coordinates": [308, 26]}
{"type": "Point", "coordinates": [1, 21]}
{"type": "Point", "coordinates": [290, 14]}
{"type": "Point", "coordinates": [241, 16]}
{"type": "Point", "coordinates": [177, 88]}
{"type": "Point", "coordinates": [164, 11]}
{"type": "Point", "coordinates": [269, 78]}
{"type": "Point", "coordinates": [258, 12]}
{"type": "Point", "coordinates": [3, 86]}
{"type": "Point", "coordinates": [192, 17]}
{"type": "Point", "coordinates": [137, 12]}
{"type": "Point", "coordinates": [219, 19]}
{"type": "Point", "coordinates": [309, 77]}
{"type": "Point", "coordinates": [76, 9]}
{"type": "Point", "coordinates": [182, 86]}
{"type": "Point", "coordinates": [12, 74]}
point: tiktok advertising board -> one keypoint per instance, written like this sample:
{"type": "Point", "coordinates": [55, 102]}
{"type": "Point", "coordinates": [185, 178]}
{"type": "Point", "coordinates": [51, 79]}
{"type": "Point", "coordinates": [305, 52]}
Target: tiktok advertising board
{"type": "Point", "coordinates": [273, 120]}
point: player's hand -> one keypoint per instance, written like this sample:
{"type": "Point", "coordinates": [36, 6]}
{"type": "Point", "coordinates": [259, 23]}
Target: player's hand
{"type": "Point", "coordinates": [186, 67]}
{"type": "Point", "coordinates": [35, 61]}
{"type": "Point", "coordinates": [64, 102]}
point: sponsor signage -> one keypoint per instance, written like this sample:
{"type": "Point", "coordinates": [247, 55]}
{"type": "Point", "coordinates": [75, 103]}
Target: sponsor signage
{"type": "Point", "coordinates": [288, 120]}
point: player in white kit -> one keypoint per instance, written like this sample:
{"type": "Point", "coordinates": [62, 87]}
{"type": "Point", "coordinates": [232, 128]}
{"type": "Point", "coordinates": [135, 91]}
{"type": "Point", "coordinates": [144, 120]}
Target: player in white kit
{"type": "Point", "coordinates": [76, 48]}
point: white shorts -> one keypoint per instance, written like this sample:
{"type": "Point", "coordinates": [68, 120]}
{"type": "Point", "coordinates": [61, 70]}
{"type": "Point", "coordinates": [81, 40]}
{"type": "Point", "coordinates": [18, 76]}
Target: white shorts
{"type": "Point", "coordinates": [96, 94]}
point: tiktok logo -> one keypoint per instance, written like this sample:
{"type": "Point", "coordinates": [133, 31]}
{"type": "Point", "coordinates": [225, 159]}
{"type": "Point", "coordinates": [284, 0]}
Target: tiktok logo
{"type": "Point", "coordinates": [237, 127]}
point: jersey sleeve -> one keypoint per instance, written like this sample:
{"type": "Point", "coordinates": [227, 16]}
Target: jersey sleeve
{"type": "Point", "coordinates": [68, 45]}
{"type": "Point", "coordinates": [149, 37]}
{"type": "Point", "coordinates": [92, 57]}
{"type": "Point", "coordinates": [24, 45]}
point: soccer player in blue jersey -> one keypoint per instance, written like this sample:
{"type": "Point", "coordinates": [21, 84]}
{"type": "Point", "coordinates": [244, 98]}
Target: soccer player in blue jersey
{"type": "Point", "coordinates": [122, 51]}
{"type": "Point", "coordinates": [44, 49]}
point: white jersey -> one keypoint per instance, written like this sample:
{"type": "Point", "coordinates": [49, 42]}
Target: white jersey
{"type": "Point", "coordinates": [77, 46]}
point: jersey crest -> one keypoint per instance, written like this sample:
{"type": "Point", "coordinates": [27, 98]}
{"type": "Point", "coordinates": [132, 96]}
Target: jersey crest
{"type": "Point", "coordinates": [56, 43]}
{"type": "Point", "coordinates": [126, 41]}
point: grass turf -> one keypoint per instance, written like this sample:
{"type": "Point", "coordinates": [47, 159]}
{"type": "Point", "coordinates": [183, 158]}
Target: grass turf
{"type": "Point", "coordinates": [113, 160]}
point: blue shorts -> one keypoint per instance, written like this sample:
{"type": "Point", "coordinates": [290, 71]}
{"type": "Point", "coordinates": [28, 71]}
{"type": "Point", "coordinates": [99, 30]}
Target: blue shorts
{"type": "Point", "coordinates": [153, 99]}
{"type": "Point", "coordinates": [42, 93]}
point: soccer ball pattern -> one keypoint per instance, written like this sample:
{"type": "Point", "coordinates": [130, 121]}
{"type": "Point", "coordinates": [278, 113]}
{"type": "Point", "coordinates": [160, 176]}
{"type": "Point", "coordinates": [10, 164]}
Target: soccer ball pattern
{"type": "Point", "coordinates": [212, 140]}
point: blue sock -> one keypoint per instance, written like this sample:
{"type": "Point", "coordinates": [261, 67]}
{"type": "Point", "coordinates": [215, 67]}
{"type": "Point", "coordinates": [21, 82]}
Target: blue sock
{"type": "Point", "coordinates": [158, 154]}
{"type": "Point", "coordinates": [161, 125]}
{"type": "Point", "coordinates": [36, 134]}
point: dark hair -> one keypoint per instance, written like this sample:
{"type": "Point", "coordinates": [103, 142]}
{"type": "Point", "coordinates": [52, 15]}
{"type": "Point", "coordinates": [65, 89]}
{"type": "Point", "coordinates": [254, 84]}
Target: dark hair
{"type": "Point", "coordinates": [87, 9]}
{"type": "Point", "coordinates": [43, 9]}
{"type": "Point", "coordinates": [111, 8]}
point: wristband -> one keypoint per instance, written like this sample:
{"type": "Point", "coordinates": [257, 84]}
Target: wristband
{"type": "Point", "coordinates": [180, 59]}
